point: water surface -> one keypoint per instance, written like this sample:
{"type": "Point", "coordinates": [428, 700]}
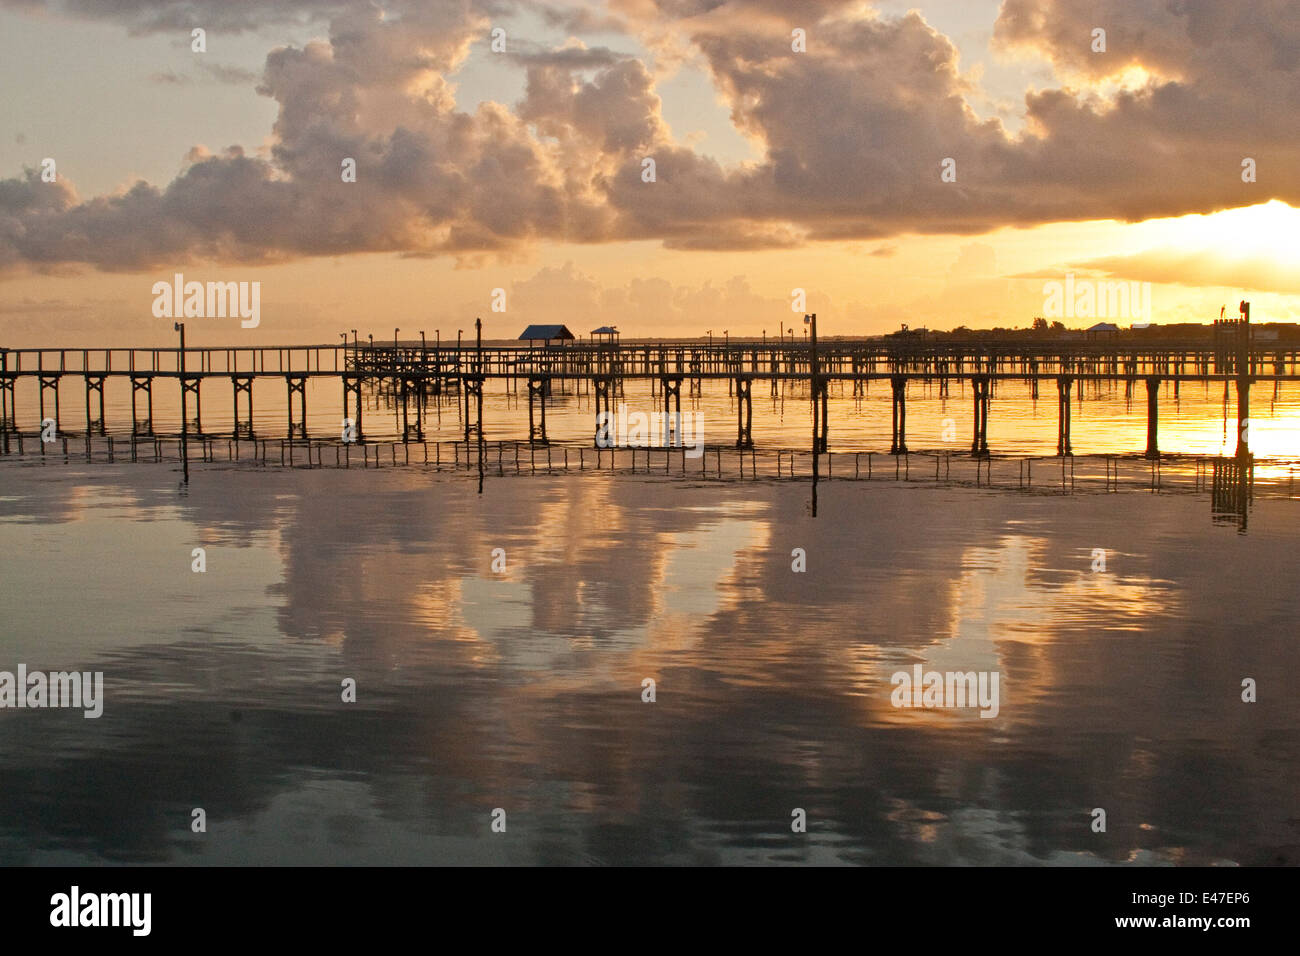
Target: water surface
{"type": "Point", "coordinates": [522, 690]}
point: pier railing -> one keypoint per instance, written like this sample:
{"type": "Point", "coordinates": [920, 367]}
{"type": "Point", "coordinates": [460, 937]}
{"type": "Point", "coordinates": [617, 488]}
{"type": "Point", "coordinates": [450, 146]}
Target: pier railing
{"type": "Point", "coordinates": [844, 361]}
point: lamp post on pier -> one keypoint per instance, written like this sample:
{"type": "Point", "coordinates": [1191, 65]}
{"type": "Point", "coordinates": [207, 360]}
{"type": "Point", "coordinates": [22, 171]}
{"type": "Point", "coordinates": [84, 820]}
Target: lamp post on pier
{"type": "Point", "coordinates": [185, 437]}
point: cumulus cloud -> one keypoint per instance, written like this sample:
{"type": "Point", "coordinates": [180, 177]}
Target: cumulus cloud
{"type": "Point", "coordinates": [853, 132]}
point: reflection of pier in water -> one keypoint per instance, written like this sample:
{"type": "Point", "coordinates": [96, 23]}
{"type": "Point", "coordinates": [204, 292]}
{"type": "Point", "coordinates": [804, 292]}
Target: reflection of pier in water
{"type": "Point", "coordinates": [1232, 490]}
{"type": "Point", "coordinates": [1231, 485]}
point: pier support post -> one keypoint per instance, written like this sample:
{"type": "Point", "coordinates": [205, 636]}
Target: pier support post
{"type": "Point", "coordinates": [243, 385]}
{"type": "Point", "coordinates": [412, 385]}
{"type": "Point", "coordinates": [538, 386]}
{"type": "Point", "coordinates": [297, 385]}
{"type": "Point", "coordinates": [898, 442]}
{"type": "Point", "coordinates": [744, 412]}
{"type": "Point", "coordinates": [1153, 417]}
{"type": "Point", "coordinates": [351, 389]}
{"type": "Point", "coordinates": [51, 382]}
{"type": "Point", "coordinates": [472, 385]}
{"type": "Point", "coordinates": [1243, 416]}
{"type": "Point", "coordinates": [670, 387]}
{"type": "Point", "coordinates": [94, 384]}
{"type": "Point", "coordinates": [1244, 370]}
{"type": "Point", "coordinates": [979, 446]}
{"type": "Point", "coordinates": [140, 383]}
{"type": "Point", "coordinates": [8, 411]}
{"type": "Point", "coordinates": [190, 382]}
{"type": "Point", "coordinates": [1063, 384]}
{"type": "Point", "coordinates": [602, 386]}
{"type": "Point", "coordinates": [820, 415]}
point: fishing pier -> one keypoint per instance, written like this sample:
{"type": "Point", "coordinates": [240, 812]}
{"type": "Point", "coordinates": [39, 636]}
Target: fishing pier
{"type": "Point", "coordinates": [413, 374]}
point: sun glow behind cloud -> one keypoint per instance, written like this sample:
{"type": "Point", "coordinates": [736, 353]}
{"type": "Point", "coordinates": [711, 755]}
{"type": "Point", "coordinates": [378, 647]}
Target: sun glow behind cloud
{"type": "Point", "coordinates": [1265, 231]}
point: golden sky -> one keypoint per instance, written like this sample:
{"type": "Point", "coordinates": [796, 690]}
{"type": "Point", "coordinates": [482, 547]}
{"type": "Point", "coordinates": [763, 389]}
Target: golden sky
{"type": "Point", "coordinates": [935, 166]}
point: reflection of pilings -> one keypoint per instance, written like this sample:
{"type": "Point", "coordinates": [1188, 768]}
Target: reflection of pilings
{"type": "Point", "coordinates": [898, 407]}
{"type": "Point", "coordinates": [1063, 384]}
{"type": "Point", "coordinates": [1233, 486]}
{"type": "Point", "coordinates": [1233, 482]}
{"type": "Point", "coordinates": [1153, 417]}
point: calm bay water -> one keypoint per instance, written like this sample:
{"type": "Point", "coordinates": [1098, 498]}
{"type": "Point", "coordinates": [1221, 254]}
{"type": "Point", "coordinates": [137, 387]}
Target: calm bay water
{"type": "Point", "coordinates": [522, 690]}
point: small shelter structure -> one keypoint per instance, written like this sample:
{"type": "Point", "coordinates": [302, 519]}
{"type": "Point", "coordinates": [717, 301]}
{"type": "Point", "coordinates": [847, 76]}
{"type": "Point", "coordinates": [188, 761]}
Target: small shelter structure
{"type": "Point", "coordinates": [546, 334]}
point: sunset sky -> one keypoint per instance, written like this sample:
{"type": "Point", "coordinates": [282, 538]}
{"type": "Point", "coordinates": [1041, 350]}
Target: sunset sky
{"type": "Point", "coordinates": [522, 169]}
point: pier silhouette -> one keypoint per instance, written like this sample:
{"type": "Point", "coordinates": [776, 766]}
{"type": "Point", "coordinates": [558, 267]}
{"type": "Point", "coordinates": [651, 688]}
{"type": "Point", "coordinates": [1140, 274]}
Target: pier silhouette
{"type": "Point", "coordinates": [411, 374]}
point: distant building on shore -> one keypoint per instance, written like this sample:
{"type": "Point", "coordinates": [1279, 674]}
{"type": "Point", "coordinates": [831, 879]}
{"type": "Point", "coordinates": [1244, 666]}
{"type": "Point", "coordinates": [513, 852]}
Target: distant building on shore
{"type": "Point", "coordinates": [907, 334]}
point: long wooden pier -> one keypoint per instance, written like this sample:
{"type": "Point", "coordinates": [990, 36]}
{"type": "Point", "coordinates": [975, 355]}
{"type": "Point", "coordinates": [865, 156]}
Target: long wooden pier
{"type": "Point", "coordinates": [412, 372]}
